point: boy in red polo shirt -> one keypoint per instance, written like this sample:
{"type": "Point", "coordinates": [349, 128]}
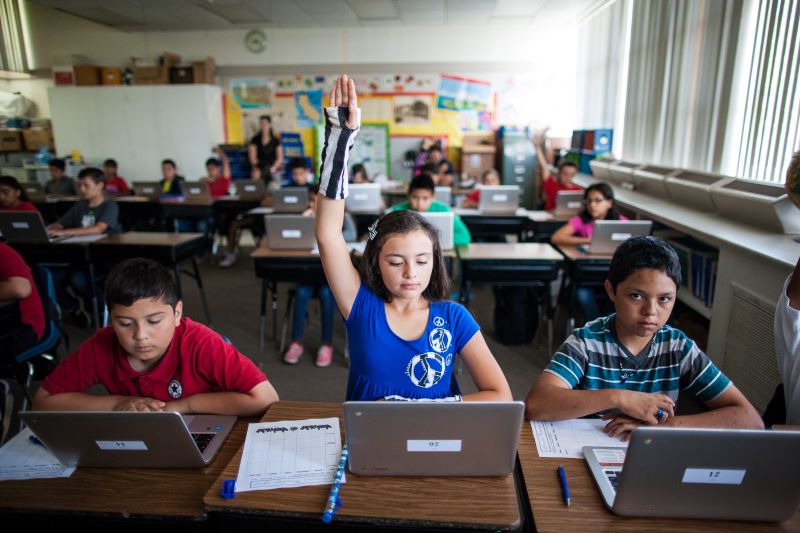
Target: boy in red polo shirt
{"type": "Point", "coordinates": [153, 359]}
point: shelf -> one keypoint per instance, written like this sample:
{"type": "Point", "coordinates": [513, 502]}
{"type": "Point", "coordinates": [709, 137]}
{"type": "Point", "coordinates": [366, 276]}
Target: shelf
{"type": "Point", "coordinates": [695, 303]}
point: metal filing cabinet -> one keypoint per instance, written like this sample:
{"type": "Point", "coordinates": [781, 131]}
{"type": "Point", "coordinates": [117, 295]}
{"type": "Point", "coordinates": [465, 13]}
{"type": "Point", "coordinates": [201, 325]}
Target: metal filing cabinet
{"type": "Point", "coordinates": [518, 164]}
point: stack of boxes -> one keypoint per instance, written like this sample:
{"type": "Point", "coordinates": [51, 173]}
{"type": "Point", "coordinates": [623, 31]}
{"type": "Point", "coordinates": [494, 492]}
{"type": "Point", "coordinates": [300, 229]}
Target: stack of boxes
{"type": "Point", "coordinates": [166, 69]}
{"type": "Point", "coordinates": [477, 154]}
{"type": "Point", "coordinates": [18, 134]}
{"type": "Point", "coordinates": [588, 144]}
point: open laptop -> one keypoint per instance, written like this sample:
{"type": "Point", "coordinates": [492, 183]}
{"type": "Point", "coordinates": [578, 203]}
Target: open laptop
{"type": "Point", "coordinates": [608, 234]}
{"type": "Point", "coordinates": [444, 194]}
{"type": "Point", "coordinates": [196, 191]}
{"type": "Point", "coordinates": [499, 200]}
{"type": "Point", "coordinates": [432, 438]}
{"type": "Point", "coordinates": [701, 473]}
{"type": "Point", "coordinates": [34, 190]}
{"type": "Point", "coordinates": [290, 232]}
{"type": "Point", "coordinates": [290, 200]}
{"type": "Point", "coordinates": [568, 203]}
{"type": "Point", "coordinates": [148, 189]}
{"type": "Point", "coordinates": [25, 226]}
{"type": "Point", "coordinates": [364, 198]}
{"type": "Point", "coordinates": [250, 189]}
{"type": "Point", "coordinates": [443, 222]}
{"type": "Point", "coordinates": [130, 439]}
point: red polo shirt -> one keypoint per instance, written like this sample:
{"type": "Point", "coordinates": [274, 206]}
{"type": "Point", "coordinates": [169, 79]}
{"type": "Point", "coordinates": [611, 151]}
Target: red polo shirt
{"type": "Point", "coordinates": [197, 360]}
{"type": "Point", "coordinates": [219, 187]}
{"type": "Point", "coordinates": [22, 206]}
{"type": "Point", "coordinates": [30, 309]}
{"type": "Point", "coordinates": [550, 187]}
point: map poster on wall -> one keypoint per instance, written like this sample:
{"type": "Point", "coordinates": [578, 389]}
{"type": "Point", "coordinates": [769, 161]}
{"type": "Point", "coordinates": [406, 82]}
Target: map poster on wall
{"type": "Point", "coordinates": [372, 149]}
{"type": "Point", "coordinates": [252, 94]}
{"type": "Point", "coordinates": [308, 108]}
{"type": "Point", "coordinates": [458, 94]}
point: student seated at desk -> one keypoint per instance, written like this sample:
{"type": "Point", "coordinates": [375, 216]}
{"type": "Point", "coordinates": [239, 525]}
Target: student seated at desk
{"type": "Point", "coordinates": [115, 184]}
{"type": "Point", "coordinates": [170, 180]}
{"type": "Point", "coordinates": [93, 214]}
{"type": "Point", "coordinates": [218, 174]}
{"type": "Point", "coordinates": [562, 181]}
{"type": "Point", "coordinates": [598, 200]}
{"type": "Point", "coordinates": [358, 174]}
{"type": "Point", "coordinates": [403, 333]}
{"type": "Point", "coordinates": [59, 182]}
{"type": "Point", "coordinates": [490, 178]}
{"type": "Point", "coordinates": [151, 358]}
{"type": "Point", "coordinates": [16, 283]}
{"type": "Point", "coordinates": [13, 197]}
{"type": "Point", "coordinates": [630, 365]}
{"type": "Point", "coordinates": [421, 194]}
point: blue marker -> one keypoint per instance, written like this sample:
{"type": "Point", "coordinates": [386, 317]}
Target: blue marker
{"type": "Point", "coordinates": [333, 499]}
{"type": "Point", "coordinates": [562, 476]}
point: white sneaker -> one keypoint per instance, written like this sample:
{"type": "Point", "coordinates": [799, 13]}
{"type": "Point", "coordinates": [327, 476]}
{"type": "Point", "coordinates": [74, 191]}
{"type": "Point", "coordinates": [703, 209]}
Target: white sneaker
{"type": "Point", "coordinates": [228, 260]}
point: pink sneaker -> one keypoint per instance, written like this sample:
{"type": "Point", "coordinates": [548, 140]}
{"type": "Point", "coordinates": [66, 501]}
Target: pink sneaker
{"type": "Point", "coordinates": [325, 355]}
{"type": "Point", "coordinates": [293, 354]}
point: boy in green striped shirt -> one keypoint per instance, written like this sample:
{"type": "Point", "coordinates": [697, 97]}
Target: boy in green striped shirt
{"type": "Point", "coordinates": [630, 366]}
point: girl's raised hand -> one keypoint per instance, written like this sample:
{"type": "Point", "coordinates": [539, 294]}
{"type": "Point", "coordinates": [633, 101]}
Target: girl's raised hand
{"type": "Point", "coordinates": [343, 94]}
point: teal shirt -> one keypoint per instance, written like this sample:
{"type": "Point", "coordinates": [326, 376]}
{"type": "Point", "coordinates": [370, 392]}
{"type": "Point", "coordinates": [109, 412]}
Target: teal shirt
{"type": "Point", "coordinates": [461, 236]}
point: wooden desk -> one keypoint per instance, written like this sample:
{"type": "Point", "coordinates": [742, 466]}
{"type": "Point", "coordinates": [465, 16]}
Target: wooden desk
{"type": "Point", "coordinates": [169, 249]}
{"type": "Point", "coordinates": [474, 503]}
{"type": "Point", "coordinates": [124, 495]}
{"type": "Point", "coordinates": [588, 512]}
{"type": "Point", "coordinates": [138, 212]}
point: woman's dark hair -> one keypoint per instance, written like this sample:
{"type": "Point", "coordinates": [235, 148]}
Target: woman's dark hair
{"type": "Point", "coordinates": [110, 163]}
{"type": "Point", "coordinates": [58, 163]}
{"type": "Point", "coordinates": [94, 173]}
{"type": "Point", "coordinates": [401, 223]}
{"type": "Point", "coordinates": [644, 252]}
{"type": "Point", "coordinates": [10, 181]}
{"type": "Point", "coordinates": [423, 181]}
{"type": "Point", "coordinates": [169, 162]}
{"type": "Point", "coordinates": [608, 194]}
{"type": "Point", "coordinates": [139, 279]}
{"type": "Point", "coordinates": [265, 117]}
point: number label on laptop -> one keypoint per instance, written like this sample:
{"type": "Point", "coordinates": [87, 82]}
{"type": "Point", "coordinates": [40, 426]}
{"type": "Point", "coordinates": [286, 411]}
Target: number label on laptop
{"type": "Point", "coordinates": [451, 445]}
{"type": "Point", "coordinates": [20, 225]}
{"type": "Point", "coordinates": [574, 205]}
{"type": "Point", "coordinates": [250, 188]}
{"type": "Point", "coordinates": [620, 236]}
{"type": "Point", "coordinates": [713, 476]}
{"type": "Point", "coordinates": [291, 233]}
{"type": "Point", "coordinates": [360, 197]}
{"type": "Point", "coordinates": [291, 199]}
{"type": "Point", "coordinates": [194, 190]}
{"type": "Point", "coordinates": [122, 445]}
{"type": "Point", "coordinates": [500, 197]}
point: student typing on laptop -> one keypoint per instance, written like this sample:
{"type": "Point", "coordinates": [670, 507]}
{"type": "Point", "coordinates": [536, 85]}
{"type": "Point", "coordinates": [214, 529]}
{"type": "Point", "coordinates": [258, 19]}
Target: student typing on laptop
{"type": "Point", "coordinates": [403, 332]}
{"type": "Point", "coordinates": [93, 214]}
{"type": "Point", "coordinates": [152, 358]}
{"type": "Point", "coordinates": [630, 365]}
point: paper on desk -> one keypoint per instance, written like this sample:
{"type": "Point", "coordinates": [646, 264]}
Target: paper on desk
{"type": "Point", "coordinates": [291, 453]}
{"type": "Point", "coordinates": [568, 437]}
{"type": "Point", "coordinates": [20, 458]}
{"type": "Point", "coordinates": [84, 238]}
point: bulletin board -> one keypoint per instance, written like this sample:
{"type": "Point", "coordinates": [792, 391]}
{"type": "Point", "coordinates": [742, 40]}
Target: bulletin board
{"type": "Point", "coordinates": [372, 148]}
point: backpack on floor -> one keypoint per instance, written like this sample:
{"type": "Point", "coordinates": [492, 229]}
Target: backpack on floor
{"type": "Point", "coordinates": [516, 314]}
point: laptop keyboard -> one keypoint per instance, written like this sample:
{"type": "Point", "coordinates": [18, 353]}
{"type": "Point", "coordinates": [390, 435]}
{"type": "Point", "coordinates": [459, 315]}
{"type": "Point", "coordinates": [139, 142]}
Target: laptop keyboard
{"type": "Point", "coordinates": [613, 477]}
{"type": "Point", "coordinates": [203, 440]}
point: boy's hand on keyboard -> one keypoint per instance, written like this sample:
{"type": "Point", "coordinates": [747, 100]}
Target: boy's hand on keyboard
{"type": "Point", "coordinates": [648, 408]}
{"type": "Point", "coordinates": [134, 403]}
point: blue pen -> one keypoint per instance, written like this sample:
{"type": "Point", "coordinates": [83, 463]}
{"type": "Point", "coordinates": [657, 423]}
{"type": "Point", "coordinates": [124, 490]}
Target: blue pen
{"type": "Point", "coordinates": [333, 499]}
{"type": "Point", "coordinates": [562, 477]}
{"type": "Point", "coordinates": [34, 439]}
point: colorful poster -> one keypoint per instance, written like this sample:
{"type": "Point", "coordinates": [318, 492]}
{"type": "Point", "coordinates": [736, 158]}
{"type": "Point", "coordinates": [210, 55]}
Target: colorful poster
{"type": "Point", "coordinates": [252, 94]}
{"type": "Point", "coordinates": [458, 94]}
{"type": "Point", "coordinates": [308, 108]}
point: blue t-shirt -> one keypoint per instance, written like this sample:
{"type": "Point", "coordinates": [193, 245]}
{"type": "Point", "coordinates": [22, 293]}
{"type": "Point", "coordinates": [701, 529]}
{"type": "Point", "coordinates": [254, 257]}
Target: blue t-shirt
{"type": "Point", "coordinates": [382, 363]}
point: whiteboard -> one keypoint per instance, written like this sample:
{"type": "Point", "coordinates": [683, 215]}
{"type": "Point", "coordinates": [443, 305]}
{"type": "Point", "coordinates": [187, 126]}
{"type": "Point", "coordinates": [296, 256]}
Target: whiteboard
{"type": "Point", "coordinates": [139, 126]}
{"type": "Point", "coordinates": [371, 149]}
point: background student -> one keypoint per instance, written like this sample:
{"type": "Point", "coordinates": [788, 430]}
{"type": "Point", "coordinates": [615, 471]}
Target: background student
{"type": "Point", "coordinates": [13, 197]}
{"type": "Point", "coordinates": [265, 154]}
{"type": "Point", "coordinates": [562, 181]}
{"type": "Point", "coordinates": [358, 174]}
{"type": "Point", "coordinates": [421, 198]}
{"type": "Point", "coordinates": [218, 173]}
{"type": "Point", "coordinates": [17, 283]}
{"type": "Point", "coordinates": [630, 365]}
{"type": "Point", "coordinates": [115, 184]}
{"type": "Point", "coordinates": [59, 182]}
{"type": "Point", "coordinates": [93, 214]}
{"type": "Point", "coordinates": [403, 333]}
{"type": "Point", "coordinates": [490, 178]}
{"type": "Point", "coordinates": [170, 180]}
{"type": "Point", "coordinates": [152, 358]}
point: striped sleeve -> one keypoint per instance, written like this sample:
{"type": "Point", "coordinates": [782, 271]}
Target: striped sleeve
{"type": "Point", "coordinates": [339, 140]}
{"type": "Point", "coordinates": [569, 362]}
{"type": "Point", "coordinates": [699, 376]}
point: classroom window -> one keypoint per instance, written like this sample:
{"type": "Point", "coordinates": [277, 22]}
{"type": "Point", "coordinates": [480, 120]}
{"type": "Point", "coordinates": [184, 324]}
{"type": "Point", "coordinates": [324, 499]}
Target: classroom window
{"type": "Point", "coordinates": [12, 44]}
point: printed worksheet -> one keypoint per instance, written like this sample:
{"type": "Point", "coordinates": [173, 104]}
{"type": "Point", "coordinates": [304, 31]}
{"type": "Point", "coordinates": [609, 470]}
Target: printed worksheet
{"type": "Point", "coordinates": [291, 453]}
{"type": "Point", "coordinates": [568, 437]}
{"type": "Point", "coordinates": [22, 458]}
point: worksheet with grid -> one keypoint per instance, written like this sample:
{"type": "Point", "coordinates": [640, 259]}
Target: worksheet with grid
{"type": "Point", "coordinates": [567, 438]}
{"type": "Point", "coordinates": [23, 457]}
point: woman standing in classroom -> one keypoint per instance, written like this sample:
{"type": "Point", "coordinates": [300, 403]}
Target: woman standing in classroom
{"type": "Point", "coordinates": [264, 152]}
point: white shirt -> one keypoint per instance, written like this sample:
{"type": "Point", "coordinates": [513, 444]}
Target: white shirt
{"type": "Point", "coordinates": [787, 345]}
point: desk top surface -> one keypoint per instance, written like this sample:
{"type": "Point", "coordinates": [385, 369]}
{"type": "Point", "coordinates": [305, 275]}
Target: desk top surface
{"type": "Point", "coordinates": [521, 212]}
{"type": "Point", "coordinates": [573, 254]}
{"type": "Point", "coordinates": [481, 502]}
{"type": "Point", "coordinates": [140, 238]}
{"type": "Point", "coordinates": [265, 252]}
{"type": "Point", "coordinates": [528, 251]}
{"type": "Point", "coordinates": [588, 512]}
{"type": "Point", "coordinates": [123, 492]}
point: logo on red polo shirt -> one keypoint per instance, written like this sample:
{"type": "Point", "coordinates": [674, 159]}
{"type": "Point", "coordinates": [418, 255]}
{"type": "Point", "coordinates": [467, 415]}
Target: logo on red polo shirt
{"type": "Point", "coordinates": [175, 389]}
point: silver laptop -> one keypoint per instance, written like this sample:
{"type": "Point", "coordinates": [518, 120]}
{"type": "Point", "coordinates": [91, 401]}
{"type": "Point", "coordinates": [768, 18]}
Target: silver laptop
{"type": "Point", "coordinates": [34, 190]}
{"type": "Point", "coordinates": [568, 203]}
{"type": "Point", "coordinates": [443, 222]}
{"type": "Point", "coordinates": [701, 473]}
{"type": "Point", "coordinates": [290, 200]}
{"type": "Point", "coordinates": [250, 189]}
{"type": "Point", "coordinates": [432, 438]}
{"type": "Point", "coordinates": [499, 200]}
{"type": "Point", "coordinates": [290, 232]}
{"type": "Point", "coordinates": [148, 189]}
{"type": "Point", "coordinates": [25, 226]}
{"type": "Point", "coordinates": [364, 198]}
{"type": "Point", "coordinates": [130, 439]}
{"type": "Point", "coordinates": [196, 191]}
{"type": "Point", "coordinates": [444, 195]}
{"type": "Point", "coordinates": [608, 234]}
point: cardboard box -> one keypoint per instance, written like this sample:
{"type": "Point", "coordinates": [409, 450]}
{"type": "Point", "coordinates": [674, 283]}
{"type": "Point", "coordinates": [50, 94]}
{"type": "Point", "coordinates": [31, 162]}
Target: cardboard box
{"type": "Point", "coordinates": [10, 140]}
{"type": "Point", "coordinates": [110, 76]}
{"type": "Point", "coordinates": [203, 71]}
{"type": "Point", "coordinates": [36, 138]}
{"type": "Point", "coordinates": [83, 75]}
{"type": "Point", "coordinates": [181, 75]}
{"type": "Point", "coordinates": [156, 75]}
{"type": "Point", "coordinates": [479, 142]}
{"type": "Point", "coordinates": [473, 164]}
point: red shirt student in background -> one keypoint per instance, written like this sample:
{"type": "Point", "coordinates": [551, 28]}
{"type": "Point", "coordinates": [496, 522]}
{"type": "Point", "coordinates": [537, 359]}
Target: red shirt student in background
{"type": "Point", "coordinates": [12, 196]}
{"type": "Point", "coordinates": [115, 184]}
{"type": "Point", "coordinates": [16, 283]}
{"type": "Point", "coordinates": [219, 174]}
{"type": "Point", "coordinates": [551, 184]}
